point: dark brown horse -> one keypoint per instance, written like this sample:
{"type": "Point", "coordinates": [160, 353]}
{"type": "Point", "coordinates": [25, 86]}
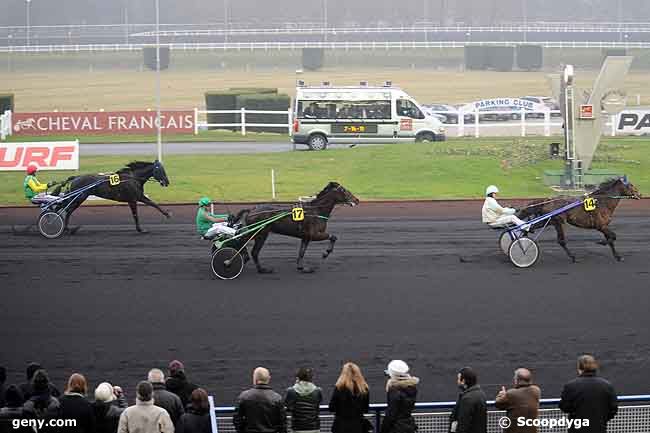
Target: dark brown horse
{"type": "Point", "coordinates": [607, 196]}
{"type": "Point", "coordinates": [312, 228]}
{"type": "Point", "coordinates": [128, 188]}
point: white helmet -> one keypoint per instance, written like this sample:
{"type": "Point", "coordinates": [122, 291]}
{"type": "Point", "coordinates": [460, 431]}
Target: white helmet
{"type": "Point", "coordinates": [491, 189]}
{"type": "Point", "coordinates": [397, 368]}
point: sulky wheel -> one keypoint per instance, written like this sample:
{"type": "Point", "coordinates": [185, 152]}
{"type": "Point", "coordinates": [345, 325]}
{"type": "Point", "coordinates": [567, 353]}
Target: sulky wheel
{"type": "Point", "coordinates": [227, 263]}
{"type": "Point", "coordinates": [523, 252]}
{"type": "Point", "coordinates": [50, 225]}
{"type": "Point", "coordinates": [504, 242]}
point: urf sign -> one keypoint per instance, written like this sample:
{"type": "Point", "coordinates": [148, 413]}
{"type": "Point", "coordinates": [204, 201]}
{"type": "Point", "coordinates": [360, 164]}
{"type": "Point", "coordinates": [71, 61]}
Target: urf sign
{"type": "Point", "coordinates": [56, 155]}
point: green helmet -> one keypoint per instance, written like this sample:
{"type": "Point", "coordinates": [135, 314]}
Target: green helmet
{"type": "Point", "coordinates": [204, 201]}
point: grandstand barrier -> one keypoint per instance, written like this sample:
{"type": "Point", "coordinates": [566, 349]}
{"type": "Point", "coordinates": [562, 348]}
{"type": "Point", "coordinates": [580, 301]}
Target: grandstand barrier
{"type": "Point", "coordinates": [633, 416]}
{"type": "Point", "coordinates": [201, 122]}
{"type": "Point", "coordinates": [5, 125]}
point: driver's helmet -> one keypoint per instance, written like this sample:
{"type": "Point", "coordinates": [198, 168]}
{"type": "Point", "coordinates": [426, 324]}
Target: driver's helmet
{"type": "Point", "coordinates": [204, 201]}
{"type": "Point", "coordinates": [32, 169]}
{"type": "Point", "coordinates": [491, 190]}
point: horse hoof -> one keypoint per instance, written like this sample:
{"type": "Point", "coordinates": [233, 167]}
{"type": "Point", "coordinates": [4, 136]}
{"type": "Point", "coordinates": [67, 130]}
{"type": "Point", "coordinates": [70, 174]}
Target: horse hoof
{"type": "Point", "coordinates": [306, 270]}
{"type": "Point", "coordinates": [602, 242]}
{"type": "Point", "coordinates": [168, 215]}
{"type": "Point", "coordinates": [73, 230]}
{"type": "Point", "coordinates": [619, 259]}
{"type": "Point", "coordinates": [264, 270]}
{"type": "Point", "coordinates": [143, 231]}
{"type": "Point", "coordinates": [326, 255]}
{"type": "Point", "coordinates": [573, 259]}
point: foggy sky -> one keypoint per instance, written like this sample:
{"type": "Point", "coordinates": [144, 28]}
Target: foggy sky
{"type": "Point", "coordinates": [339, 12]}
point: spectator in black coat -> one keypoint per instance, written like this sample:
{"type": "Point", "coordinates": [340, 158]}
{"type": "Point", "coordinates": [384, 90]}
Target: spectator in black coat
{"type": "Point", "coordinates": [3, 379]}
{"type": "Point", "coordinates": [75, 405]}
{"type": "Point", "coordinates": [42, 405]}
{"type": "Point", "coordinates": [470, 413]}
{"type": "Point", "coordinates": [13, 410]}
{"type": "Point", "coordinates": [107, 408]}
{"type": "Point", "coordinates": [260, 409]}
{"type": "Point", "coordinates": [350, 401]}
{"type": "Point", "coordinates": [197, 417]}
{"type": "Point", "coordinates": [165, 399]}
{"type": "Point", "coordinates": [402, 392]}
{"type": "Point", "coordinates": [26, 388]}
{"type": "Point", "coordinates": [589, 397]}
{"type": "Point", "coordinates": [178, 384]}
{"type": "Point", "coordinates": [303, 402]}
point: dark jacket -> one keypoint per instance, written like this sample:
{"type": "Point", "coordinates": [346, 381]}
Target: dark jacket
{"type": "Point", "coordinates": [522, 401]}
{"type": "Point", "coordinates": [179, 385]}
{"type": "Point", "coordinates": [195, 421]}
{"type": "Point", "coordinates": [470, 411]}
{"type": "Point", "coordinates": [260, 410]}
{"type": "Point", "coordinates": [401, 397]}
{"type": "Point", "coordinates": [28, 390]}
{"type": "Point", "coordinates": [43, 406]}
{"type": "Point", "coordinates": [303, 403]}
{"type": "Point", "coordinates": [589, 397]}
{"type": "Point", "coordinates": [168, 401]}
{"type": "Point", "coordinates": [76, 406]}
{"type": "Point", "coordinates": [9, 413]}
{"type": "Point", "coordinates": [107, 416]}
{"type": "Point", "coordinates": [348, 410]}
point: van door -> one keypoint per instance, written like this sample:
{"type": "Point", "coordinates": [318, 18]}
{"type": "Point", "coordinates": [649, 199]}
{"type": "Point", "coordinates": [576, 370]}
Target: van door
{"type": "Point", "coordinates": [410, 119]}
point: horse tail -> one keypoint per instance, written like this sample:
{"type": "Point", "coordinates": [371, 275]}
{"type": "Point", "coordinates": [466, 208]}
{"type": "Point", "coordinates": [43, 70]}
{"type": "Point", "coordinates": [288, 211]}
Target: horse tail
{"type": "Point", "coordinates": [61, 185]}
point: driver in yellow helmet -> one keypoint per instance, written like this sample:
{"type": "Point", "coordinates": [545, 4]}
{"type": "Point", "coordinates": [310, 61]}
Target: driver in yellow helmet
{"type": "Point", "coordinates": [210, 225]}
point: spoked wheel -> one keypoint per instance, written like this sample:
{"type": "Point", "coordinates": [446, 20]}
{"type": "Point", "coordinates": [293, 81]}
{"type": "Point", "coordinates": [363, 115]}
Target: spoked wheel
{"type": "Point", "coordinates": [227, 263]}
{"type": "Point", "coordinates": [50, 225]}
{"type": "Point", "coordinates": [523, 252]}
{"type": "Point", "coordinates": [504, 242]}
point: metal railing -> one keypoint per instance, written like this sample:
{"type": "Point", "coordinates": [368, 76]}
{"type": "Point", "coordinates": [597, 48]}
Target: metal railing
{"type": "Point", "coordinates": [202, 122]}
{"type": "Point", "coordinates": [633, 416]}
{"type": "Point", "coordinates": [5, 125]}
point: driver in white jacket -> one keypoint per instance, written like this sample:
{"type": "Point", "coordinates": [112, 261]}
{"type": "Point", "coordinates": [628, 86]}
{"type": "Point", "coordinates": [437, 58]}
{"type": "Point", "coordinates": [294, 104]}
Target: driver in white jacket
{"type": "Point", "coordinates": [497, 216]}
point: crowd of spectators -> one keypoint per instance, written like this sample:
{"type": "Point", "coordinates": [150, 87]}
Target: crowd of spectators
{"type": "Point", "coordinates": [177, 405]}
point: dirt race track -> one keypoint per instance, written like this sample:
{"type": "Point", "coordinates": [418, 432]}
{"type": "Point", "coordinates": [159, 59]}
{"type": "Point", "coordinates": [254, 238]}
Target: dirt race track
{"type": "Point", "coordinates": [422, 282]}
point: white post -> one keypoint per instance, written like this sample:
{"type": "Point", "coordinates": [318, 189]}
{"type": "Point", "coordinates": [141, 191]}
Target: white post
{"type": "Point", "coordinates": [638, 99]}
{"type": "Point", "coordinates": [547, 123]}
{"type": "Point", "coordinates": [158, 121]}
{"type": "Point", "coordinates": [212, 208]}
{"type": "Point", "coordinates": [476, 125]}
{"type": "Point", "coordinates": [290, 120]}
{"type": "Point", "coordinates": [461, 123]}
{"type": "Point", "coordinates": [523, 122]}
{"type": "Point", "coordinates": [243, 121]}
{"type": "Point", "coordinates": [213, 415]}
{"type": "Point", "coordinates": [196, 121]}
{"type": "Point", "coordinates": [612, 119]}
{"type": "Point", "coordinates": [273, 183]}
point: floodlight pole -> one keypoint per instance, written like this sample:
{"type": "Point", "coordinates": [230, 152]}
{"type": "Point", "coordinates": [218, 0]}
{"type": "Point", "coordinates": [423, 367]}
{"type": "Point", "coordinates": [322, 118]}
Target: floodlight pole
{"type": "Point", "coordinates": [158, 122]}
{"type": "Point", "coordinates": [27, 11]}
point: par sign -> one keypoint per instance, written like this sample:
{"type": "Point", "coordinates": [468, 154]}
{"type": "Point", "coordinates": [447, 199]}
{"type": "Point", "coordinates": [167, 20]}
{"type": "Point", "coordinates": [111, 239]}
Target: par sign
{"type": "Point", "coordinates": [634, 122]}
{"type": "Point", "coordinates": [53, 155]}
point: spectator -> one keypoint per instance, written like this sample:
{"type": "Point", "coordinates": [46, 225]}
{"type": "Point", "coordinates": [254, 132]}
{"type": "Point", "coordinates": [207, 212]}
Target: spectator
{"type": "Point", "coordinates": [178, 384]}
{"type": "Point", "coordinates": [303, 402]}
{"type": "Point", "coordinates": [520, 401]}
{"type": "Point", "coordinates": [589, 397]}
{"type": "Point", "coordinates": [470, 413]}
{"type": "Point", "coordinates": [145, 417]}
{"type": "Point", "coordinates": [260, 409]}
{"type": "Point", "coordinates": [350, 401]}
{"type": "Point", "coordinates": [402, 392]}
{"type": "Point", "coordinates": [107, 408]}
{"type": "Point", "coordinates": [13, 409]}
{"type": "Point", "coordinates": [74, 405]}
{"type": "Point", "coordinates": [165, 399]}
{"type": "Point", "coordinates": [197, 417]}
{"type": "Point", "coordinates": [42, 404]}
{"type": "Point", "coordinates": [3, 379]}
{"type": "Point", "coordinates": [26, 388]}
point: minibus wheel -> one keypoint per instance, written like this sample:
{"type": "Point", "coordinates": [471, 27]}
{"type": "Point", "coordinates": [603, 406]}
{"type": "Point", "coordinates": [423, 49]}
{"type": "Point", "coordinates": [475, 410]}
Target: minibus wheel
{"type": "Point", "coordinates": [317, 142]}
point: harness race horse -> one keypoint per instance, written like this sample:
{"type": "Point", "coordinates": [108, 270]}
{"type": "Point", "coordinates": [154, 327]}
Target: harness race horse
{"type": "Point", "coordinates": [606, 198]}
{"type": "Point", "coordinates": [125, 185]}
{"type": "Point", "coordinates": [313, 227]}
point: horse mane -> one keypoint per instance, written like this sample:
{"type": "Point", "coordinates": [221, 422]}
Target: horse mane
{"type": "Point", "coordinates": [135, 165]}
{"type": "Point", "coordinates": [325, 190]}
{"type": "Point", "coordinates": [607, 184]}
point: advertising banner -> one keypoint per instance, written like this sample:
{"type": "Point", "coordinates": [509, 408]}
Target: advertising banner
{"type": "Point", "coordinates": [46, 155]}
{"type": "Point", "coordinates": [635, 122]}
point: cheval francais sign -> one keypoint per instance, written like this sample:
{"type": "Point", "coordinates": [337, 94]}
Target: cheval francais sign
{"type": "Point", "coordinates": [101, 122]}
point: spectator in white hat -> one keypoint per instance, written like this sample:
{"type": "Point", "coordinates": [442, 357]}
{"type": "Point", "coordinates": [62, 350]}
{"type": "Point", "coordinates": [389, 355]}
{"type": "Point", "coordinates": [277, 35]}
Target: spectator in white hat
{"type": "Point", "coordinates": [401, 390]}
{"type": "Point", "coordinates": [106, 408]}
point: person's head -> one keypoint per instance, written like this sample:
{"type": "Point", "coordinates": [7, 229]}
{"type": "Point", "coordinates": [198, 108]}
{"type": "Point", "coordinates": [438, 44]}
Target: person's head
{"type": "Point", "coordinates": [175, 367]}
{"type": "Point", "coordinates": [397, 369]}
{"type": "Point", "coordinates": [104, 392]}
{"type": "Point", "coordinates": [587, 364]}
{"type": "Point", "coordinates": [13, 396]}
{"type": "Point", "coordinates": [77, 383]}
{"type": "Point", "coordinates": [199, 399]}
{"type": "Point", "coordinates": [40, 382]}
{"type": "Point", "coordinates": [305, 374]}
{"type": "Point", "coordinates": [491, 191]}
{"type": "Point", "coordinates": [523, 377]}
{"type": "Point", "coordinates": [144, 391]}
{"type": "Point", "coordinates": [32, 169]}
{"type": "Point", "coordinates": [3, 375]}
{"type": "Point", "coordinates": [32, 368]}
{"type": "Point", "coordinates": [156, 376]}
{"type": "Point", "coordinates": [466, 377]}
{"type": "Point", "coordinates": [204, 202]}
{"type": "Point", "coordinates": [352, 379]}
{"type": "Point", "coordinates": [261, 376]}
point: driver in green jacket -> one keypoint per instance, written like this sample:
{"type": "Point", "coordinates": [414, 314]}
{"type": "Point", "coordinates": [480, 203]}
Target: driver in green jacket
{"type": "Point", "coordinates": [35, 191]}
{"type": "Point", "coordinates": [210, 225]}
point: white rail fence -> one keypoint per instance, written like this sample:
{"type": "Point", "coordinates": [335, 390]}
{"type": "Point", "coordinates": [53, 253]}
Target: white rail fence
{"type": "Point", "coordinates": [5, 125]}
{"type": "Point", "coordinates": [201, 120]}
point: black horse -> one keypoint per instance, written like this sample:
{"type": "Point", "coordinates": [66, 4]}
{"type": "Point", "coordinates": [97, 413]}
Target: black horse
{"type": "Point", "coordinates": [312, 228]}
{"type": "Point", "coordinates": [125, 185]}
